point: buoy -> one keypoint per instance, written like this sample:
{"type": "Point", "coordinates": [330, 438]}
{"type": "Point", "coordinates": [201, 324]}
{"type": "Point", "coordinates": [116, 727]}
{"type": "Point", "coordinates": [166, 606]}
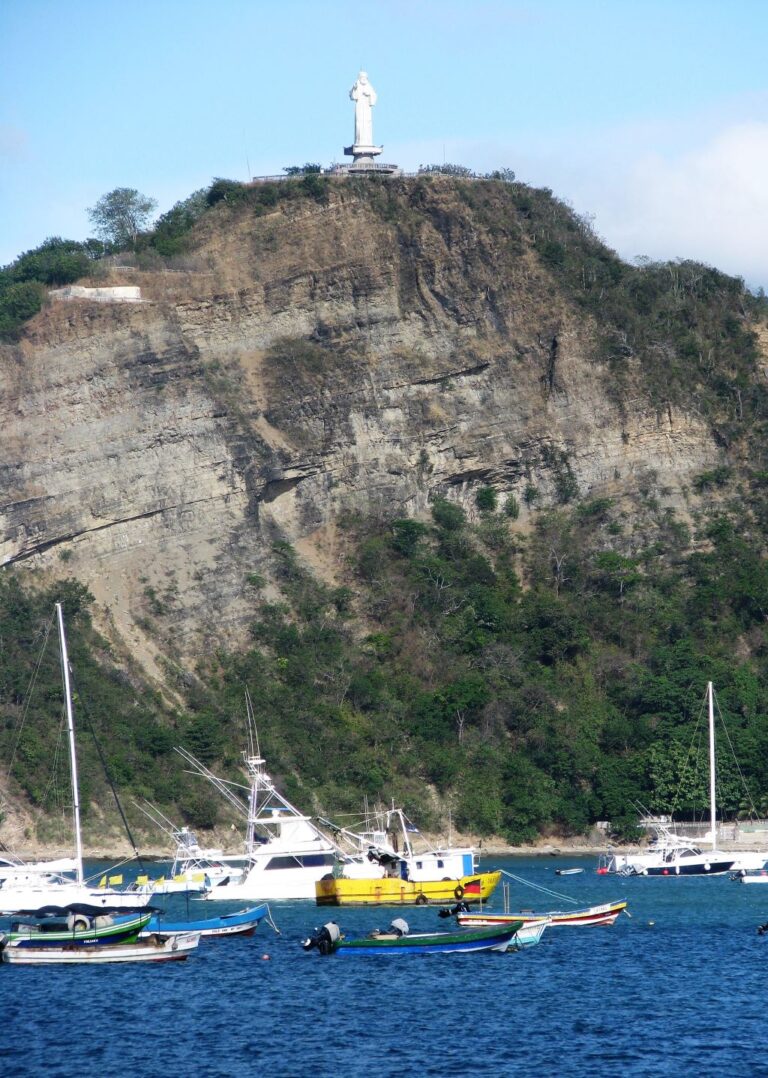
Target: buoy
{"type": "Point", "coordinates": [651, 924]}
{"type": "Point", "coordinates": [265, 958]}
{"type": "Point", "coordinates": [665, 872]}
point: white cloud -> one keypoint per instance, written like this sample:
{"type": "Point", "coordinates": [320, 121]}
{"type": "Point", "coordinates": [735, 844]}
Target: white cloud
{"type": "Point", "coordinates": [694, 188]}
{"type": "Point", "coordinates": [709, 203]}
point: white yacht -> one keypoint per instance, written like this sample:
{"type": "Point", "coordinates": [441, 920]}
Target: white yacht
{"type": "Point", "coordinates": [286, 853]}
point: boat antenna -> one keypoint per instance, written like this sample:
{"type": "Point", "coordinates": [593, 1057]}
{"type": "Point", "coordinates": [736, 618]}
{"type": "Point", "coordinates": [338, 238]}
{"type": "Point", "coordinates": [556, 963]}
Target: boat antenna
{"type": "Point", "coordinates": [160, 821]}
{"type": "Point", "coordinates": [221, 785]}
{"type": "Point", "coordinates": [71, 733]}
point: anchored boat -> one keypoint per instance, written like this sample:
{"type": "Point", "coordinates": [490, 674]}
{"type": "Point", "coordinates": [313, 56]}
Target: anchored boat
{"type": "Point", "coordinates": [77, 929]}
{"type": "Point", "coordinates": [242, 923]}
{"type": "Point", "coordinates": [605, 914]}
{"type": "Point", "coordinates": [394, 891]}
{"type": "Point", "coordinates": [398, 940]}
{"type": "Point", "coordinates": [154, 949]}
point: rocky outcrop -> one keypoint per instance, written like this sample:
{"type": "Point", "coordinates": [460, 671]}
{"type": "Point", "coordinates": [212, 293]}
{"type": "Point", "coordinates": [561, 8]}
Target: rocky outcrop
{"type": "Point", "coordinates": [318, 359]}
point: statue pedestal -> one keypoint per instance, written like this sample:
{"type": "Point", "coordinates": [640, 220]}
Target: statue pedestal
{"type": "Point", "coordinates": [363, 154]}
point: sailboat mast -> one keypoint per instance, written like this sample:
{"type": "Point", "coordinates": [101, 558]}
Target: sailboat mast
{"type": "Point", "coordinates": [71, 735]}
{"type": "Point", "coordinates": [710, 701]}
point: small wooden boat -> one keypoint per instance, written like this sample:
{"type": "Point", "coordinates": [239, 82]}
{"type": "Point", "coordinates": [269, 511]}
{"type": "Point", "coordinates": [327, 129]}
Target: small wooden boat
{"type": "Point", "coordinates": [242, 923]}
{"type": "Point", "coordinates": [568, 871]}
{"type": "Point", "coordinates": [605, 914]}
{"type": "Point", "coordinates": [393, 891]}
{"type": "Point", "coordinates": [397, 941]}
{"type": "Point", "coordinates": [78, 929]}
{"type": "Point", "coordinates": [153, 949]}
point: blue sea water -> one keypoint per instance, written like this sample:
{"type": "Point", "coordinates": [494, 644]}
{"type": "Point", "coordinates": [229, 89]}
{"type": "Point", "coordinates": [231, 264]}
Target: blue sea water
{"type": "Point", "coordinates": [677, 988]}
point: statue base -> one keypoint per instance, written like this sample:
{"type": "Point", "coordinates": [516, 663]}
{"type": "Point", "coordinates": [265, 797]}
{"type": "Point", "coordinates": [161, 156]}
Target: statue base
{"type": "Point", "coordinates": [363, 154]}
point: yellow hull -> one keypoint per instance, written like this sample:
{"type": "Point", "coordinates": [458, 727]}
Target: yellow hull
{"type": "Point", "coordinates": [395, 892]}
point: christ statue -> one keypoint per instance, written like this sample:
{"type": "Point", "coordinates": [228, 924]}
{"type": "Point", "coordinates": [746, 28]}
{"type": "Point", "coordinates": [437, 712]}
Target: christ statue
{"type": "Point", "coordinates": [364, 97]}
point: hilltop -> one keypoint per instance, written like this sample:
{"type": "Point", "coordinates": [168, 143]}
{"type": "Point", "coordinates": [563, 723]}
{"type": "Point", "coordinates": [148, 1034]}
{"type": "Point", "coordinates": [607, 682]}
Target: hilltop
{"type": "Point", "coordinates": [450, 486]}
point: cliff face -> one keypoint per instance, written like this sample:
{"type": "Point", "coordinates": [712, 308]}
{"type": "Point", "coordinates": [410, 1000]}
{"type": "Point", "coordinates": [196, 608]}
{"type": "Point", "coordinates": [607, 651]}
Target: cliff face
{"type": "Point", "coordinates": [318, 359]}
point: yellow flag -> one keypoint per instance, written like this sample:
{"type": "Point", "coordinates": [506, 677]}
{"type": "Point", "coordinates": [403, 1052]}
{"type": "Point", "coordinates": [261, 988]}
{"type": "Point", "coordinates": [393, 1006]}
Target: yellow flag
{"type": "Point", "coordinates": [160, 880]}
{"type": "Point", "coordinates": [199, 877]}
{"type": "Point", "coordinates": [103, 881]}
{"type": "Point", "coordinates": [115, 879]}
{"type": "Point", "coordinates": [178, 879]}
{"type": "Point", "coordinates": [141, 880]}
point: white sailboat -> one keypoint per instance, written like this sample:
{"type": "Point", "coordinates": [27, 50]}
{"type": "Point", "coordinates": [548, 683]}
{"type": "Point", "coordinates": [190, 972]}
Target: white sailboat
{"type": "Point", "coordinates": [671, 855]}
{"type": "Point", "coordinates": [33, 891]}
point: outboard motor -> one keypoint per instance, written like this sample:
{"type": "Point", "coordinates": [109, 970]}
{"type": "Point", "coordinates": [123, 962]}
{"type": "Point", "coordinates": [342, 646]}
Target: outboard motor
{"type": "Point", "coordinates": [324, 938]}
{"type": "Point", "coordinates": [460, 907]}
{"type": "Point", "coordinates": [399, 927]}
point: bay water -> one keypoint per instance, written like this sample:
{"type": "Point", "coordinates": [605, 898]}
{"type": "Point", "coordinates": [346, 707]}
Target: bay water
{"type": "Point", "coordinates": [677, 987]}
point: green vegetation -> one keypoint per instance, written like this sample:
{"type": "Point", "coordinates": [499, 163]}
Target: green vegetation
{"type": "Point", "coordinates": [135, 730]}
{"type": "Point", "coordinates": [528, 707]}
{"type": "Point", "coordinates": [534, 686]}
{"type": "Point", "coordinates": [23, 283]}
{"type": "Point", "coordinates": [121, 215]}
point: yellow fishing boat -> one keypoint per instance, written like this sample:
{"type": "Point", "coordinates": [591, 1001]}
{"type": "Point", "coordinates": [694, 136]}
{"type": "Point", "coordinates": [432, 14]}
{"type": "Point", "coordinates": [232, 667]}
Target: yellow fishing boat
{"type": "Point", "coordinates": [393, 891]}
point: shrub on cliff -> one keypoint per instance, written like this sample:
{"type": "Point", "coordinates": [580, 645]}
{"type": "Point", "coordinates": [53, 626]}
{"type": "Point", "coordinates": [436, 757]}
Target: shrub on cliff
{"type": "Point", "coordinates": [23, 283]}
{"type": "Point", "coordinates": [18, 303]}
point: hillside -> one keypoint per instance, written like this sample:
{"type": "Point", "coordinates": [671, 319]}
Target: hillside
{"type": "Point", "coordinates": [578, 442]}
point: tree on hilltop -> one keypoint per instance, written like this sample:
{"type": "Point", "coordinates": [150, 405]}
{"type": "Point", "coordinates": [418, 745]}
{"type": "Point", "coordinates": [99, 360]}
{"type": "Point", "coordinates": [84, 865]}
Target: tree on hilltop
{"type": "Point", "coordinates": [121, 215]}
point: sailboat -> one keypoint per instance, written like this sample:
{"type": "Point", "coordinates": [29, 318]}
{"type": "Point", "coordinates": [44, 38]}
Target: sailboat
{"type": "Point", "coordinates": [40, 890]}
{"type": "Point", "coordinates": [674, 856]}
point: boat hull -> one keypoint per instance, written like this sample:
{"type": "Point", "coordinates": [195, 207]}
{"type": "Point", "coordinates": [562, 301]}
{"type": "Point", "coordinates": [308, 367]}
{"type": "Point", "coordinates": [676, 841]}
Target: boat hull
{"type": "Point", "coordinates": [242, 923]}
{"type": "Point", "coordinates": [390, 891]}
{"type": "Point", "coordinates": [460, 942]}
{"type": "Point", "coordinates": [123, 929]}
{"type": "Point", "coordinates": [707, 868]}
{"type": "Point", "coordinates": [172, 949]}
{"type": "Point", "coordinates": [604, 914]}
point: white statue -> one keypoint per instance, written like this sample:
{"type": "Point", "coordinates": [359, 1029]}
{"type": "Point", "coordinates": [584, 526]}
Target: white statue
{"type": "Point", "coordinates": [364, 97]}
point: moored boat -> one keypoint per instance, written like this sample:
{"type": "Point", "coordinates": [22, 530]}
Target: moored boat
{"type": "Point", "coordinates": [394, 891]}
{"type": "Point", "coordinates": [398, 940]}
{"type": "Point", "coordinates": [604, 914]}
{"type": "Point", "coordinates": [670, 854]}
{"type": "Point", "coordinates": [742, 877]}
{"type": "Point", "coordinates": [241, 923]}
{"type": "Point", "coordinates": [154, 949]}
{"type": "Point", "coordinates": [77, 929]}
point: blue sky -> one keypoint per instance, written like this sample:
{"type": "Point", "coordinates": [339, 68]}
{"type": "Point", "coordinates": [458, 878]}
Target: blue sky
{"type": "Point", "coordinates": [650, 114]}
